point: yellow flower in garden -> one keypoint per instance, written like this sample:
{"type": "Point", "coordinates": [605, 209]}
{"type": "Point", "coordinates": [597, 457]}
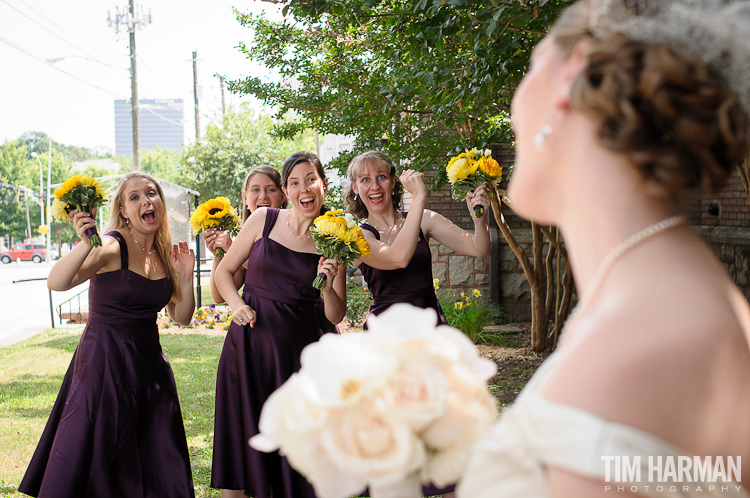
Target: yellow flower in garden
{"type": "Point", "coordinates": [459, 305]}
{"type": "Point", "coordinates": [476, 293]}
{"type": "Point", "coordinates": [489, 166]}
{"type": "Point", "coordinates": [435, 283]}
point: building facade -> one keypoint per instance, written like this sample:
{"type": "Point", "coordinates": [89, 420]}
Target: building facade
{"type": "Point", "coordinates": [160, 121]}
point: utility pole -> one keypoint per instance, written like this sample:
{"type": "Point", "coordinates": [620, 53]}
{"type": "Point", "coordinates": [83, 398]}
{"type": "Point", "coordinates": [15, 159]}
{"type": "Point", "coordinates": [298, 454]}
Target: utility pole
{"type": "Point", "coordinates": [130, 18]}
{"type": "Point", "coordinates": [223, 107]}
{"type": "Point", "coordinates": [195, 96]}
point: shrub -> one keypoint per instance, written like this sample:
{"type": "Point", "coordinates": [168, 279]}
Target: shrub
{"type": "Point", "coordinates": [472, 315]}
{"type": "Point", "coordinates": [358, 302]}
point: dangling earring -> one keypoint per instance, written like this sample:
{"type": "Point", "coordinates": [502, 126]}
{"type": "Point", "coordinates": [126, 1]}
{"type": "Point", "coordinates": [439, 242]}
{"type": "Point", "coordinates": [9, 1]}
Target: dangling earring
{"type": "Point", "coordinates": [542, 136]}
{"type": "Point", "coordinates": [127, 221]}
{"type": "Point", "coordinates": [355, 195]}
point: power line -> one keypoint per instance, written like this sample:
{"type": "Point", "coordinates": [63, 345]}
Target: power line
{"type": "Point", "coordinates": [66, 31]}
{"type": "Point", "coordinates": [53, 66]}
{"type": "Point", "coordinates": [46, 109]}
{"type": "Point", "coordinates": [55, 34]}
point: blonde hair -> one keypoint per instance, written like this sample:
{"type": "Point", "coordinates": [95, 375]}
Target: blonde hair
{"type": "Point", "coordinates": [162, 238]}
{"type": "Point", "coordinates": [354, 203]}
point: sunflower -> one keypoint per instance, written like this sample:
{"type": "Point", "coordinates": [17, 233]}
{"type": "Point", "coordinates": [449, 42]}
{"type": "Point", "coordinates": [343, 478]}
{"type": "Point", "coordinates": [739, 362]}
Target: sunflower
{"type": "Point", "coordinates": [217, 207]}
{"type": "Point", "coordinates": [77, 182]}
{"type": "Point", "coordinates": [58, 210]}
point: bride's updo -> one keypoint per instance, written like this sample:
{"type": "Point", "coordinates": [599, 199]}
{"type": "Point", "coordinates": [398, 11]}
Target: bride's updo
{"type": "Point", "coordinates": [659, 100]}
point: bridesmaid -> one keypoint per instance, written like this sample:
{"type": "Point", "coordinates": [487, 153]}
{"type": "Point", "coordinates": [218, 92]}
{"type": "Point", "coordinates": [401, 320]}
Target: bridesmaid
{"type": "Point", "coordinates": [116, 428]}
{"type": "Point", "coordinates": [271, 323]}
{"type": "Point", "coordinates": [261, 188]}
{"type": "Point", "coordinates": [374, 193]}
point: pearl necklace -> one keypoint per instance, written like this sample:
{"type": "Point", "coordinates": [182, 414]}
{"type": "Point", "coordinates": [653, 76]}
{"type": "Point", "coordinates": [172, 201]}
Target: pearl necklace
{"type": "Point", "coordinates": [607, 264]}
{"type": "Point", "coordinates": [390, 230]}
{"type": "Point", "coordinates": [301, 237]}
{"type": "Point", "coordinates": [139, 244]}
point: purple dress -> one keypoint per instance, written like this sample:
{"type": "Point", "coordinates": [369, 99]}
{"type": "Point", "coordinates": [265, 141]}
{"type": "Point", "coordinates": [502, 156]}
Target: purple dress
{"type": "Point", "coordinates": [116, 427]}
{"type": "Point", "coordinates": [256, 361]}
{"type": "Point", "coordinates": [412, 284]}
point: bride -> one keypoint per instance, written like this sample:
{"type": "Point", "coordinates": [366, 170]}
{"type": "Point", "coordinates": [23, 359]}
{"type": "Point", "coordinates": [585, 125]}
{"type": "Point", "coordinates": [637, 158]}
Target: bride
{"type": "Point", "coordinates": [629, 105]}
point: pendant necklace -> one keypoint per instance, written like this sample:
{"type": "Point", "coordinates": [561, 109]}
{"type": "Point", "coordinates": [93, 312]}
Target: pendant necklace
{"type": "Point", "coordinates": [139, 244]}
{"type": "Point", "coordinates": [607, 264]}
{"type": "Point", "coordinates": [301, 237]}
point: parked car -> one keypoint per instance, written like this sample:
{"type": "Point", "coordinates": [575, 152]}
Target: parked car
{"type": "Point", "coordinates": [25, 251]}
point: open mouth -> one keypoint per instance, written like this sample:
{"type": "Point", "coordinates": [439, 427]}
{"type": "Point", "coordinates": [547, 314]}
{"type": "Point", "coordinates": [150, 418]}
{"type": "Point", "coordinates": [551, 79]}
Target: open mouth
{"type": "Point", "coordinates": [264, 205]}
{"type": "Point", "coordinates": [307, 202]}
{"type": "Point", "coordinates": [376, 199]}
{"type": "Point", "coordinates": [149, 217]}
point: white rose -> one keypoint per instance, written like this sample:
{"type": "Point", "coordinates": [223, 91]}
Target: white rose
{"type": "Point", "coordinates": [417, 392]}
{"type": "Point", "coordinates": [350, 221]}
{"type": "Point", "coordinates": [287, 419]}
{"type": "Point", "coordinates": [469, 412]}
{"type": "Point", "coordinates": [372, 444]}
{"type": "Point", "coordinates": [487, 152]}
{"type": "Point", "coordinates": [340, 370]}
{"type": "Point", "coordinates": [446, 466]}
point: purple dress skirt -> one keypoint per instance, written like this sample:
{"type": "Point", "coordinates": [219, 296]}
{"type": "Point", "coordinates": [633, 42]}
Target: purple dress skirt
{"type": "Point", "coordinates": [116, 427]}
{"type": "Point", "coordinates": [412, 285]}
{"type": "Point", "coordinates": [256, 361]}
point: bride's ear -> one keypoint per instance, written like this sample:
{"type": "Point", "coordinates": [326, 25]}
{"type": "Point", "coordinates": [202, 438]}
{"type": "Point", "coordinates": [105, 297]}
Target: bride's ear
{"type": "Point", "coordinates": [574, 64]}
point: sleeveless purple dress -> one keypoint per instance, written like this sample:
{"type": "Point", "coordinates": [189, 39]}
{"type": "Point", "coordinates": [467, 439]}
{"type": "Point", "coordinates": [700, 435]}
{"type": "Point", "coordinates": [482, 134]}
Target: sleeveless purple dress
{"type": "Point", "coordinates": [412, 284]}
{"type": "Point", "coordinates": [116, 427]}
{"type": "Point", "coordinates": [256, 361]}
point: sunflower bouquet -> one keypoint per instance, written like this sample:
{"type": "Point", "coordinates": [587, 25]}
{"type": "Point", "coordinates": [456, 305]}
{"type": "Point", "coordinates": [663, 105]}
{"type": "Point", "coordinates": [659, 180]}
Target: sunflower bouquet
{"type": "Point", "coordinates": [83, 193]}
{"type": "Point", "coordinates": [215, 213]}
{"type": "Point", "coordinates": [469, 170]}
{"type": "Point", "coordinates": [337, 235]}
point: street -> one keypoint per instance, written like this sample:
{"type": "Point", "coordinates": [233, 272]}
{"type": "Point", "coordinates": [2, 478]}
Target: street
{"type": "Point", "coordinates": [25, 303]}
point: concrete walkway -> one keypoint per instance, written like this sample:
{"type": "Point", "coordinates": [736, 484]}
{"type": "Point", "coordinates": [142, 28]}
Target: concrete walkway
{"type": "Point", "coordinates": [25, 301]}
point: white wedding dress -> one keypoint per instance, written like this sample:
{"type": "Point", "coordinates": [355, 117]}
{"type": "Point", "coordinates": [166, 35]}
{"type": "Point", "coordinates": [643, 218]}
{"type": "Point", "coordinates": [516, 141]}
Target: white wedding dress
{"type": "Point", "coordinates": [535, 433]}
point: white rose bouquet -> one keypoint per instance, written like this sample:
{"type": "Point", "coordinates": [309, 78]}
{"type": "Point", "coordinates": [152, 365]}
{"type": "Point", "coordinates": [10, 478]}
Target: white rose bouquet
{"type": "Point", "coordinates": [392, 408]}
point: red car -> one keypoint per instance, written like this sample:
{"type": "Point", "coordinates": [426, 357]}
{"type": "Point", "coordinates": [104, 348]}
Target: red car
{"type": "Point", "coordinates": [25, 251]}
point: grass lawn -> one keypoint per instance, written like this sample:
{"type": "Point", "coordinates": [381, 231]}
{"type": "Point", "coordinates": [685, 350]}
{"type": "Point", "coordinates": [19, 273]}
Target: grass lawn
{"type": "Point", "coordinates": [31, 373]}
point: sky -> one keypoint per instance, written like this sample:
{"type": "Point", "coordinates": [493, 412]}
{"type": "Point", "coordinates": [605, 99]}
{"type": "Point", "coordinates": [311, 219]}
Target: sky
{"type": "Point", "coordinates": [62, 67]}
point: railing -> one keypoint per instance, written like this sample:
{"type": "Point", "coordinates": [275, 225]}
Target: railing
{"type": "Point", "coordinates": [78, 316]}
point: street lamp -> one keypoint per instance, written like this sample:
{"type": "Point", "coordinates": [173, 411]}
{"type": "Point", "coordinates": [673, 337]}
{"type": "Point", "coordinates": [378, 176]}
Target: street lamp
{"type": "Point", "coordinates": [48, 235]}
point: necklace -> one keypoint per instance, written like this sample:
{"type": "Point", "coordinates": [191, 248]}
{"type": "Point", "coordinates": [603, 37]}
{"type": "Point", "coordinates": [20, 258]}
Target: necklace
{"type": "Point", "coordinates": [388, 231]}
{"type": "Point", "coordinates": [308, 236]}
{"type": "Point", "coordinates": [609, 261]}
{"type": "Point", "coordinates": [139, 244]}
{"type": "Point", "coordinates": [391, 227]}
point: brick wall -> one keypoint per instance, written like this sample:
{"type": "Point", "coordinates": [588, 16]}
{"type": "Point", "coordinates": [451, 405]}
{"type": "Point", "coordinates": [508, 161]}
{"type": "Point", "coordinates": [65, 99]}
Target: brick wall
{"type": "Point", "coordinates": [726, 230]}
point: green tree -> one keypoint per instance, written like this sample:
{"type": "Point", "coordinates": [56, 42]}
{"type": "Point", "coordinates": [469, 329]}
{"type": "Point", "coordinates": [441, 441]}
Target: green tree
{"type": "Point", "coordinates": [232, 145]}
{"type": "Point", "coordinates": [420, 79]}
{"type": "Point", "coordinates": [161, 162]}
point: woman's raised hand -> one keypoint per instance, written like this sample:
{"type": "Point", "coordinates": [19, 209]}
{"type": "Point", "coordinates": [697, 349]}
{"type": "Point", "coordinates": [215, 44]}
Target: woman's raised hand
{"type": "Point", "coordinates": [82, 222]}
{"type": "Point", "coordinates": [413, 182]}
{"type": "Point", "coordinates": [477, 198]}
{"type": "Point", "coordinates": [217, 239]}
{"type": "Point", "coordinates": [183, 260]}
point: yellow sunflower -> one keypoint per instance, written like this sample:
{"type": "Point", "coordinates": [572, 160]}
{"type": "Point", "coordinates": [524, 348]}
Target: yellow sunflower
{"type": "Point", "coordinates": [363, 246]}
{"type": "Point", "coordinates": [217, 207]}
{"type": "Point", "coordinates": [58, 210]}
{"type": "Point", "coordinates": [78, 181]}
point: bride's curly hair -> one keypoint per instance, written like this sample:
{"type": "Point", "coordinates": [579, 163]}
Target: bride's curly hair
{"type": "Point", "coordinates": [674, 119]}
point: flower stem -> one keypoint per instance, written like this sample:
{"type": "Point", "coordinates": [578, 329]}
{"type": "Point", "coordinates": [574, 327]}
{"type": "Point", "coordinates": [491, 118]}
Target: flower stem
{"type": "Point", "coordinates": [479, 211]}
{"type": "Point", "coordinates": [320, 281]}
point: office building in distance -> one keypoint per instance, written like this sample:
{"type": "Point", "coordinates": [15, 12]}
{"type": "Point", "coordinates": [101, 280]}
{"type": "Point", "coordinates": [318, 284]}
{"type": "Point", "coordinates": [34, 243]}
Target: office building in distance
{"type": "Point", "coordinates": [161, 125]}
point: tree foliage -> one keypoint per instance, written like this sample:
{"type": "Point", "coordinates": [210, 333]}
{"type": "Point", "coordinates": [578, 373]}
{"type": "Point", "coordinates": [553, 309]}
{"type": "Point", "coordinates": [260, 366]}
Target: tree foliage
{"type": "Point", "coordinates": [418, 78]}
{"type": "Point", "coordinates": [233, 144]}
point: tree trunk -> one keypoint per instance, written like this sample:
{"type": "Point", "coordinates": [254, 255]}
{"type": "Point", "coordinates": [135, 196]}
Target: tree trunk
{"type": "Point", "coordinates": [543, 278]}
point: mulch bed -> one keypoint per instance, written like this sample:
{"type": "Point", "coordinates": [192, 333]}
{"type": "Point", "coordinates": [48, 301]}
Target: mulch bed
{"type": "Point", "coordinates": [516, 362]}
